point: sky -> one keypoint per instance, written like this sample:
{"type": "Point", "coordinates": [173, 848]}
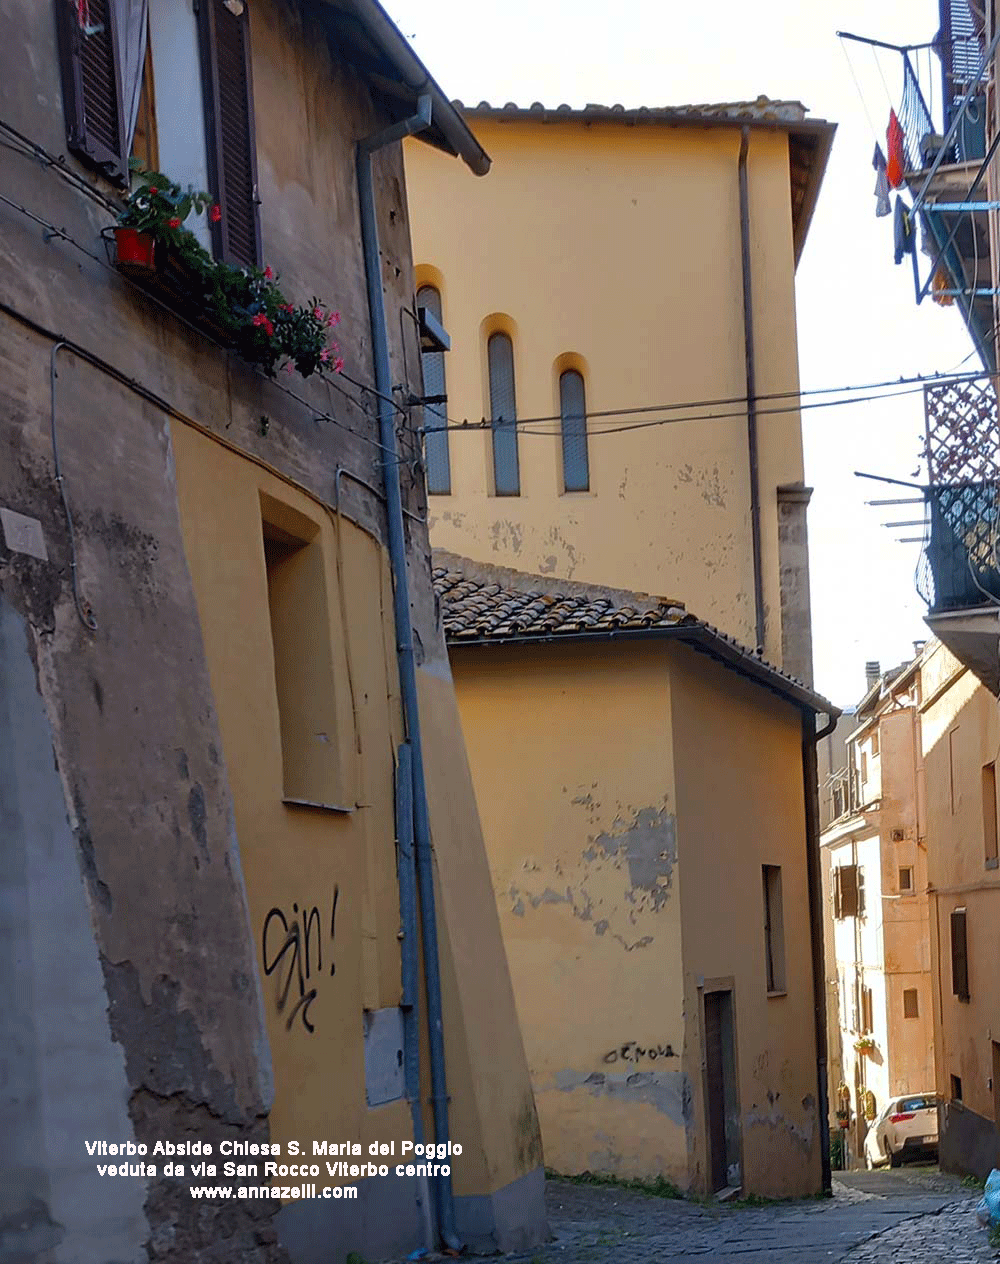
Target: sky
{"type": "Point", "coordinates": [858, 320]}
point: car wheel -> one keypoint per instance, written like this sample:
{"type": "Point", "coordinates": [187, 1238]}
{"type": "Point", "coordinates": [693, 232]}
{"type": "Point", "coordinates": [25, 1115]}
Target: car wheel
{"type": "Point", "coordinates": [895, 1159]}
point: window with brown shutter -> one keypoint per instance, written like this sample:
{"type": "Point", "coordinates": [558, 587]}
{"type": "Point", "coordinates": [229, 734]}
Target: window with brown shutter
{"type": "Point", "coordinates": [959, 955]}
{"type": "Point", "coordinates": [846, 901]}
{"type": "Point", "coordinates": [229, 126]}
{"type": "Point", "coordinates": [88, 62]}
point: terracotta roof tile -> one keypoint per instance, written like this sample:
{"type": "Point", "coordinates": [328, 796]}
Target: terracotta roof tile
{"type": "Point", "coordinates": [483, 604]}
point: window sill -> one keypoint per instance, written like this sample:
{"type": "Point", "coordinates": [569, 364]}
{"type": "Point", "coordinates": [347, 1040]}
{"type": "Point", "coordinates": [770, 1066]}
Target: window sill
{"type": "Point", "coordinates": [777, 992]}
{"type": "Point", "coordinates": [317, 807]}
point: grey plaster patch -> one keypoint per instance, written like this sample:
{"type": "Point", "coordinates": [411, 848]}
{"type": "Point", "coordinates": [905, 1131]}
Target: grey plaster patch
{"type": "Point", "coordinates": [650, 848]}
{"type": "Point", "coordinates": [64, 1077]}
{"type": "Point", "coordinates": [510, 1219]}
{"type": "Point", "coordinates": [666, 1091]}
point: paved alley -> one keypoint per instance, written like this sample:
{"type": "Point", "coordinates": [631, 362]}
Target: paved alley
{"type": "Point", "coordinates": [915, 1215]}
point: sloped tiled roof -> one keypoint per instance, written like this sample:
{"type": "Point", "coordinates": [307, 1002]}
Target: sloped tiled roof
{"type": "Point", "coordinates": [483, 604]}
{"type": "Point", "coordinates": [474, 609]}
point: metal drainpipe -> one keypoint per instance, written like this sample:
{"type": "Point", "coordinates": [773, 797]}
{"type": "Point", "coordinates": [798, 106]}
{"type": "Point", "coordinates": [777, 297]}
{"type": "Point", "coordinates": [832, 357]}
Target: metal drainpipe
{"type": "Point", "coordinates": [751, 381]}
{"type": "Point", "coordinates": [404, 640]}
{"type": "Point", "coordinates": [811, 737]}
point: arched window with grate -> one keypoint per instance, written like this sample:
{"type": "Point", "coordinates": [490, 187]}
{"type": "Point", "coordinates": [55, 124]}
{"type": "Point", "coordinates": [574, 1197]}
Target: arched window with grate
{"type": "Point", "coordinates": [503, 415]}
{"type": "Point", "coordinates": [573, 411]}
{"type": "Point", "coordinates": [436, 455]}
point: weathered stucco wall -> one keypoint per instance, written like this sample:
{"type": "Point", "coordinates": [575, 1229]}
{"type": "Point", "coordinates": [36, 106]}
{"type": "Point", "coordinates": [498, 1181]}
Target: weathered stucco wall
{"type": "Point", "coordinates": [740, 805]}
{"type": "Point", "coordinates": [961, 733]}
{"type": "Point", "coordinates": [570, 748]}
{"type": "Point", "coordinates": [162, 728]}
{"type": "Point", "coordinates": [652, 314]}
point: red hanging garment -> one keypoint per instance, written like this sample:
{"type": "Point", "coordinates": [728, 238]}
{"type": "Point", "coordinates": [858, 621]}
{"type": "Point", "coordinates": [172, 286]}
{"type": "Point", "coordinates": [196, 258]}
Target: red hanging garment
{"type": "Point", "coordinates": [895, 162]}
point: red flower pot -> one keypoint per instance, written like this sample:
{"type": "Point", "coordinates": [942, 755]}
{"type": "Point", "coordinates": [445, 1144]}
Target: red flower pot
{"type": "Point", "coordinates": [135, 251]}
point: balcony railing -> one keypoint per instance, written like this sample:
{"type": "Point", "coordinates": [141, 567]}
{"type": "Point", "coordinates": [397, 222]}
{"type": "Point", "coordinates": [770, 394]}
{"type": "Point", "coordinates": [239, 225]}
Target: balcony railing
{"type": "Point", "coordinates": [960, 564]}
{"type": "Point", "coordinates": [923, 133]}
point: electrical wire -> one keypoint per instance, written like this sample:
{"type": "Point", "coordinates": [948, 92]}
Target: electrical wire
{"type": "Point", "coordinates": [766, 397]}
{"type": "Point", "coordinates": [913, 386]}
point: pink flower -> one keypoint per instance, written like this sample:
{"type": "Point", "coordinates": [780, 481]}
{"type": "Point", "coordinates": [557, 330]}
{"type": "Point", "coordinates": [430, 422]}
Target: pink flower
{"type": "Point", "coordinates": [286, 307]}
{"type": "Point", "coordinates": [153, 189]}
{"type": "Point", "coordinates": [324, 355]}
{"type": "Point", "coordinates": [318, 313]}
{"type": "Point", "coordinates": [289, 367]}
{"type": "Point", "coordinates": [333, 319]}
{"type": "Point", "coordinates": [338, 366]}
{"type": "Point", "coordinates": [173, 223]}
{"type": "Point", "coordinates": [215, 214]}
{"type": "Point", "coordinates": [268, 273]}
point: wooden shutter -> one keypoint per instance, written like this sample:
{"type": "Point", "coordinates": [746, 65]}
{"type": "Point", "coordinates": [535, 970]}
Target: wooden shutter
{"type": "Point", "coordinates": [229, 126]}
{"type": "Point", "coordinates": [959, 955]}
{"type": "Point", "coordinates": [848, 890]}
{"type": "Point", "coordinates": [95, 128]}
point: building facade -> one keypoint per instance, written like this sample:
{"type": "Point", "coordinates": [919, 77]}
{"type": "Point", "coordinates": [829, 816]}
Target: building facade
{"type": "Point", "coordinates": [877, 910]}
{"type": "Point", "coordinates": [626, 263]}
{"type": "Point", "coordinates": [951, 187]}
{"type": "Point", "coordinates": [663, 936]}
{"type": "Point", "coordinates": [219, 815]}
{"type": "Point", "coordinates": [961, 737]}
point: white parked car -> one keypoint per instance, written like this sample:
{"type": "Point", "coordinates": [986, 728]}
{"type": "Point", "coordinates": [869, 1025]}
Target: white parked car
{"type": "Point", "coordinates": [907, 1127]}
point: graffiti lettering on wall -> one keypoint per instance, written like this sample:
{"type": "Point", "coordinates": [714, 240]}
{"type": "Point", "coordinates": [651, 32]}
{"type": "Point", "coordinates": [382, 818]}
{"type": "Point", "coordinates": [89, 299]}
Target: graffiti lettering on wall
{"type": "Point", "coordinates": [633, 1052]}
{"type": "Point", "coordinates": [293, 950]}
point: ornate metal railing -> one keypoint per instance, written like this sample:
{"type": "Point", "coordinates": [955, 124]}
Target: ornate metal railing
{"type": "Point", "coordinates": [960, 562]}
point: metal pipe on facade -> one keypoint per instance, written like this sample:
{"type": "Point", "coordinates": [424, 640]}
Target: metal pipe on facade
{"type": "Point", "coordinates": [404, 640]}
{"type": "Point", "coordinates": [406, 873]}
{"type": "Point", "coordinates": [811, 737]}
{"type": "Point", "coordinates": [751, 380]}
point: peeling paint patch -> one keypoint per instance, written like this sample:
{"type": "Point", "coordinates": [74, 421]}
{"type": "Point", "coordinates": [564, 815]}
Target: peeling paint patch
{"type": "Point", "coordinates": [776, 1122]}
{"type": "Point", "coordinates": [666, 1091]}
{"type": "Point", "coordinates": [621, 880]}
{"type": "Point", "coordinates": [649, 846]}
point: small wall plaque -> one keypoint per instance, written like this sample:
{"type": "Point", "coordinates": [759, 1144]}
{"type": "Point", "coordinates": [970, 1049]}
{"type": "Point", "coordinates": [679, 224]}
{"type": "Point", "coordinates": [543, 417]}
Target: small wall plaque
{"type": "Point", "coordinates": [22, 534]}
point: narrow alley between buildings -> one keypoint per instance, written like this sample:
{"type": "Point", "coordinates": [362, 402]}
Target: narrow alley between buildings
{"type": "Point", "coordinates": [918, 1214]}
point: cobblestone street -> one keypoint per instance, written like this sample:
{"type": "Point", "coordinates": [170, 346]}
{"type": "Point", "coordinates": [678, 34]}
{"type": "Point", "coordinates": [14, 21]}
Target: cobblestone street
{"type": "Point", "coordinates": [915, 1215]}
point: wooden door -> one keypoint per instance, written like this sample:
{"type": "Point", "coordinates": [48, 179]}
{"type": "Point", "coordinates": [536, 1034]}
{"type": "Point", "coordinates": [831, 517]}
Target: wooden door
{"type": "Point", "coordinates": [721, 1091]}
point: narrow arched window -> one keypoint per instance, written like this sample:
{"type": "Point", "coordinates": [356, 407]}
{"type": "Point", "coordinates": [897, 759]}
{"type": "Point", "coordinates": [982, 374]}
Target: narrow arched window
{"type": "Point", "coordinates": [503, 415]}
{"type": "Point", "coordinates": [573, 410]}
{"type": "Point", "coordinates": [436, 456]}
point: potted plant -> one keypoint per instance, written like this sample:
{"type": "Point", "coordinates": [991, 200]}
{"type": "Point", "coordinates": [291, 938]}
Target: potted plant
{"type": "Point", "coordinates": [844, 1118]}
{"type": "Point", "coordinates": [864, 1045]}
{"type": "Point", "coordinates": [243, 308]}
{"type": "Point", "coordinates": [154, 213]}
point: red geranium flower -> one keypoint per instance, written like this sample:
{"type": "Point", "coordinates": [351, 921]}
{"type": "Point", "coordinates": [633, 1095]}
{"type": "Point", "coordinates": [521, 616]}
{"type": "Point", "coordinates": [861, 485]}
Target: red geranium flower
{"type": "Point", "coordinates": [268, 273]}
{"type": "Point", "coordinates": [173, 223]}
{"type": "Point", "coordinates": [153, 189]}
{"type": "Point", "coordinates": [215, 214]}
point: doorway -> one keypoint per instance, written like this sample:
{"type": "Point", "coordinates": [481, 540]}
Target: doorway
{"type": "Point", "coordinates": [721, 1091]}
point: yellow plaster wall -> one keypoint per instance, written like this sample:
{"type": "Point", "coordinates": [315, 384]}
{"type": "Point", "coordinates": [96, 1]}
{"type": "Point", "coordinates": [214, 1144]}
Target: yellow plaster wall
{"type": "Point", "coordinates": [571, 754]}
{"type": "Point", "coordinates": [621, 246]}
{"type": "Point", "coordinates": [294, 858]}
{"type": "Point", "coordinates": [740, 805]}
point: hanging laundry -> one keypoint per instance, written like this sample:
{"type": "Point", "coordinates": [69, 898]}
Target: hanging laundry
{"type": "Point", "coordinates": [941, 282]}
{"type": "Point", "coordinates": [83, 18]}
{"type": "Point", "coordinates": [882, 204]}
{"type": "Point", "coordinates": [896, 163]}
{"type": "Point", "coordinates": [904, 238]}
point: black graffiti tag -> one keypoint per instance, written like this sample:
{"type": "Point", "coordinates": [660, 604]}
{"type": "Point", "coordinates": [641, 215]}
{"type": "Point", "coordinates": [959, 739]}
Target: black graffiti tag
{"type": "Point", "coordinates": [299, 944]}
{"type": "Point", "coordinates": [632, 1052]}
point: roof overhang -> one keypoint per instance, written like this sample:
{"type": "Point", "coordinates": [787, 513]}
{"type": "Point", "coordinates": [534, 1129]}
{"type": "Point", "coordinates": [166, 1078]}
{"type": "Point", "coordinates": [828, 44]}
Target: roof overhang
{"type": "Point", "coordinates": [368, 39]}
{"type": "Point", "coordinates": [809, 140]}
{"type": "Point", "coordinates": [699, 636]}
